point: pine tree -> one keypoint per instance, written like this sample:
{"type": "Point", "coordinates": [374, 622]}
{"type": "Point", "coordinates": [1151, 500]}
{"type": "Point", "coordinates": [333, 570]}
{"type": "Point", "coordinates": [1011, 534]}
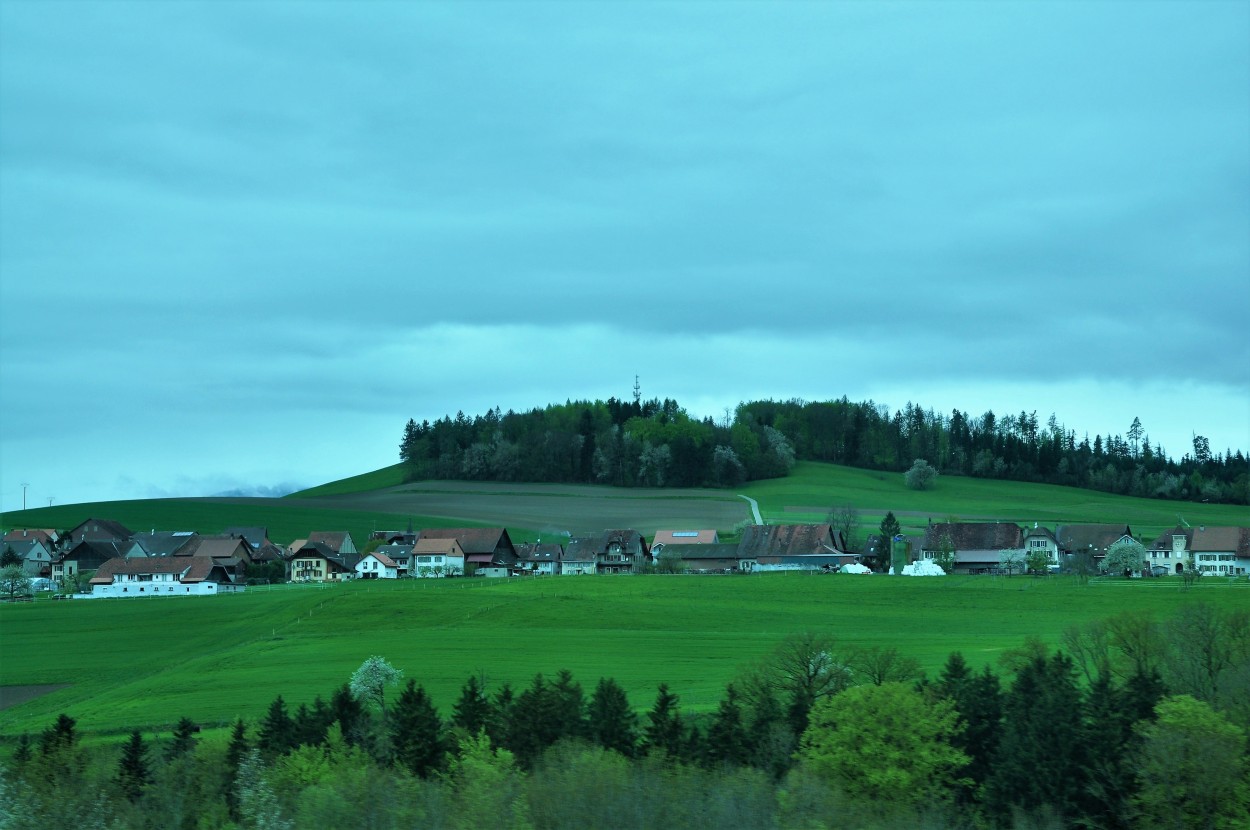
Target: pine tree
{"type": "Point", "coordinates": [771, 740]}
{"type": "Point", "coordinates": [277, 731]}
{"type": "Point", "coordinates": [665, 731]}
{"type": "Point", "coordinates": [61, 735]}
{"type": "Point", "coordinates": [978, 700]}
{"type": "Point", "coordinates": [472, 711]}
{"type": "Point", "coordinates": [499, 722]}
{"type": "Point", "coordinates": [184, 738]}
{"type": "Point", "coordinates": [417, 732]}
{"type": "Point", "coordinates": [132, 773]}
{"type": "Point", "coordinates": [537, 721]}
{"type": "Point", "coordinates": [572, 705]}
{"type": "Point", "coordinates": [727, 740]}
{"type": "Point", "coordinates": [613, 724]}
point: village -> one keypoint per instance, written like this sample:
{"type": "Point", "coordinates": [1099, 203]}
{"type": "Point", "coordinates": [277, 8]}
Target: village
{"type": "Point", "coordinates": [101, 558]}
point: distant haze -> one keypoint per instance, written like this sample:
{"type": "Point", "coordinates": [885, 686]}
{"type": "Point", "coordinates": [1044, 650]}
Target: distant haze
{"type": "Point", "coordinates": [242, 243]}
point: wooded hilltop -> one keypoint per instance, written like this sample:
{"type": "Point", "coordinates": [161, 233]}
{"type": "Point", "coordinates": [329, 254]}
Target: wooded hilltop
{"type": "Point", "coordinates": [657, 443]}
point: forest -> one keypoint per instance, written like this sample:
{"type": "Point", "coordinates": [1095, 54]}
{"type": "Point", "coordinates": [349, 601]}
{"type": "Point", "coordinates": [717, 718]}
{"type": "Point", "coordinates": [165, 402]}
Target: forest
{"type": "Point", "coordinates": [658, 444]}
{"type": "Point", "coordinates": [1135, 722]}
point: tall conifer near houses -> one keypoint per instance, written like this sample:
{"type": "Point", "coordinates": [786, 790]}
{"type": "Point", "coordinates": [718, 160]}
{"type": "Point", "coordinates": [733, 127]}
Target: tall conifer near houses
{"type": "Point", "coordinates": [665, 731]}
{"type": "Point", "coordinates": [613, 724]}
{"type": "Point", "coordinates": [133, 774]}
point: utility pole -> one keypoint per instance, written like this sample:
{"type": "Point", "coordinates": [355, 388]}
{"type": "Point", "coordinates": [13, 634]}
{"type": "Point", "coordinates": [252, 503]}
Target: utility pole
{"type": "Point", "coordinates": [24, 486]}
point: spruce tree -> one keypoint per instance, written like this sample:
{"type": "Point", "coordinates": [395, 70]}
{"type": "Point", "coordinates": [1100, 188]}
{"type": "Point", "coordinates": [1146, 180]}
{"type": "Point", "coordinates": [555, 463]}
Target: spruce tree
{"type": "Point", "coordinates": [350, 714]}
{"type": "Point", "coordinates": [499, 722]}
{"type": "Point", "coordinates": [277, 731]}
{"type": "Point", "coordinates": [572, 705]}
{"type": "Point", "coordinates": [471, 712]}
{"type": "Point", "coordinates": [665, 732]}
{"type": "Point", "coordinates": [771, 741]}
{"type": "Point", "coordinates": [613, 724]}
{"type": "Point", "coordinates": [236, 752]}
{"type": "Point", "coordinates": [417, 732]}
{"type": "Point", "coordinates": [132, 773]}
{"type": "Point", "coordinates": [1041, 752]}
{"type": "Point", "coordinates": [727, 741]}
{"type": "Point", "coordinates": [184, 738]}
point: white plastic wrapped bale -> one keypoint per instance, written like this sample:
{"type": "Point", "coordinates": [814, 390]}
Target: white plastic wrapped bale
{"type": "Point", "coordinates": [923, 568]}
{"type": "Point", "coordinates": [854, 568]}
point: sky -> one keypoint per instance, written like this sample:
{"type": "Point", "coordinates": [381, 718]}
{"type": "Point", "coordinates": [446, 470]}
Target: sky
{"type": "Point", "coordinates": [241, 244]}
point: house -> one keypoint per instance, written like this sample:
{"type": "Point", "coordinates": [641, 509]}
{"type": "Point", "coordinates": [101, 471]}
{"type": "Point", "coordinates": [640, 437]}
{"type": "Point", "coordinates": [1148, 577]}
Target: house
{"type": "Point", "coordinates": [161, 542]}
{"type": "Point", "coordinates": [339, 541]}
{"type": "Point", "coordinates": [805, 547]}
{"type": "Point", "coordinates": [36, 556]}
{"type": "Point", "coordinates": [86, 556]}
{"type": "Point", "coordinates": [376, 566]}
{"type": "Point", "coordinates": [96, 530]}
{"type": "Point", "coordinates": [539, 558]}
{"type": "Point", "coordinates": [401, 555]}
{"type": "Point", "coordinates": [257, 537]}
{"type": "Point", "coordinates": [1221, 551]}
{"type": "Point", "coordinates": [682, 537]}
{"type": "Point", "coordinates": [709, 557]}
{"type": "Point", "coordinates": [433, 558]}
{"type": "Point", "coordinates": [611, 552]}
{"type": "Point", "coordinates": [486, 549]}
{"type": "Point", "coordinates": [1040, 540]}
{"type": "Point", "coordinates": [1089, 540]}
{"type": "Point", "coordinates": [978, 546]}
{"type": "Point", "coordinates": [1170, 550]}
{"type": "Point", "coordinates": [162, 576]}
{"type": "Point", "coordinates": [47, 537]}
{"type": "Point", "coordinates": [231, 552]}
{"type": "Point", "coordinates": [317, 563]}
{"type": "Point", "coordinates": [577, 560]}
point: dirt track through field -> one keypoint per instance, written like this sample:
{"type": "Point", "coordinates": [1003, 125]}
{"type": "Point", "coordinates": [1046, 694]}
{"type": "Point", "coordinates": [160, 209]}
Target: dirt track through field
{"type": "Point", "coordinates": [550, 507]}
{"type": "Point", "coordinates": [13, 695]}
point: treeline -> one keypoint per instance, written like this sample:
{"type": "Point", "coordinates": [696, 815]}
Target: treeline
{"type": "Point", "coordinates": [628, 444]}
{"type": "Point", "coordinates": [1015, 447]}
{"type": "Point", "coordinates": [656, 443]}
{"type": "Point", "coordinates": [1140, 723]}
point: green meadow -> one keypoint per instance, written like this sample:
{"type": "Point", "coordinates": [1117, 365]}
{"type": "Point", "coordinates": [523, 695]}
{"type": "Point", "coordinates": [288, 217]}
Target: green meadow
{"type": "Point", "coordinates": [146, 663]}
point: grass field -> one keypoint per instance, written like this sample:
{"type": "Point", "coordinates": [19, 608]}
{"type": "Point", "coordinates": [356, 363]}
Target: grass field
{"type": "Point", "coordinates": [145, 663]}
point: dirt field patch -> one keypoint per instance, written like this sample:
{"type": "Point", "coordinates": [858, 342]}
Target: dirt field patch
{"type": "Point", "coordinates": [13, 695]}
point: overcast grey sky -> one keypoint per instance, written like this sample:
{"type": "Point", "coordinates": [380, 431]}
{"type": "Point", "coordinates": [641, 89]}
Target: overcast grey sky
{"type": "Point", "coordinates": [242, 243]}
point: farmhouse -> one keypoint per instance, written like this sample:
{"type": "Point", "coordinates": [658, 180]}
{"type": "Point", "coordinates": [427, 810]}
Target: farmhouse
{"type": "Point", "coordinates": [338, 541]}
{"type": "Point", "coordinates": [486, 549]}
{"type": "Point", "coordinates": [86, 556]}
{"type": "Point", "coordinates": [978, 546]}
{"type": "Point", "coordinates": [611, 552]}
{"type": "Point", "coordinates": [1221, 551]}
{"type": "Point", "coordinates": [161, 542]}
{"type": "Point", "coordinates": [1089, 540]}
{"type": "Point", "coordinates": [718, 557]}
{"type": "Point", "coordinates": [161, 576]}
{"type": "Point", "coordinates": [539, 558]}
{"type": "Point", "coordinates": [35, 555]}
{"type": "Point", "coordinates": [317, 563]}
{"type": "Point", "coordinates": [433, 558]}
{"type": "Point", "coordinates": [377, 565]}
{"type": "Point", "coordinates": [1040, 540]}
{"type": "Point", "coordinates": [97, 530]}
{"type": "Point", "coordinates": [401, 555]}
{"type": "Point", "coordinates": [682, 537]}
{"type": "Point", "coordinates": [807, 547]}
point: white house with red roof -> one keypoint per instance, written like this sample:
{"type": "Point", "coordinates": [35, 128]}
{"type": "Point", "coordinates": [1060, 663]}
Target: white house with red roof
{"type": "Point", "coordinates": [377, 565]}
{"type": "Point", "coordinates": [161, 576]}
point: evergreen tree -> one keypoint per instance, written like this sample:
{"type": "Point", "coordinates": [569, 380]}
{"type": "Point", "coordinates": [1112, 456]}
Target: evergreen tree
{"type": "Point", "coordinates": [132, 773]}
{"type": "Point", "coordinates": [236, 752]}
{"type": "Point", "coordinates": [499, 723]}
{"type": "Point", "coordinates": [978, 701]}
{"type": "Point", "coordinates": [184, 738]}
{"type": "Point", "coordinates": [350, 714]}
{"type": "Point", "coordinates": [889, 528]}
{"type": "Point", "coordinates": [727, 741]}
{"type": "Point", "coordinates": [417, 732]}
{"type": "Point", "coordinates": [1041, 752]}
{"type": "Point", "coordinates": [613, 724]}
{"type": "Point", "coordinates": [62, 734]}
{"type": "Point", "coordinates": [665, 731]}
{"type": "Point", "coordinates": [572, 705]}
{"type": "Point", "coordinates": [772, 742]}
{"type": "Point", "coordinates": [22, 753]}
{"type": "Point", "coordinates": [537, 721]}
{"type": "Point", "coordinates": [472, 711]}
{"type": "Point", "coordinates": [277, 731]}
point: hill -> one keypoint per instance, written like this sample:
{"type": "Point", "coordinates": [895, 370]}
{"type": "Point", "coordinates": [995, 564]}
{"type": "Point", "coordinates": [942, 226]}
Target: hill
{"type": "Point", "coordinates": [380, 500]}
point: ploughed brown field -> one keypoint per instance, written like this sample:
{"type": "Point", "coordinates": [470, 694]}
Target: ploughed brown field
{"type": "Point", "coordinates": [548, 508]}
